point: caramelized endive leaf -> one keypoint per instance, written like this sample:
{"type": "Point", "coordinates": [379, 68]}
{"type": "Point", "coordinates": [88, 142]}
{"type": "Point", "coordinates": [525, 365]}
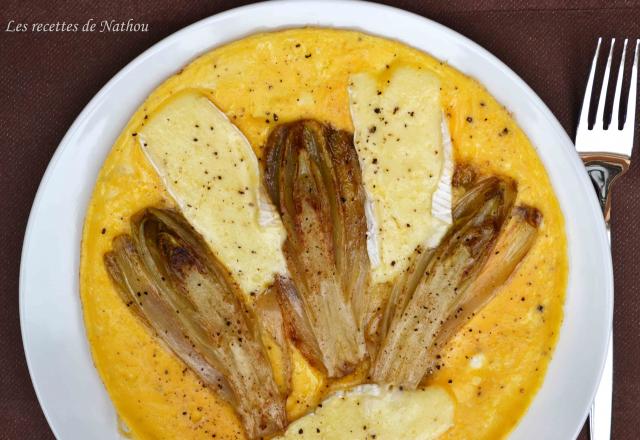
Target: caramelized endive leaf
{"type": "Point", "coordinates": [513, 245]}
{"type": "Point", "coordinates": [313, 178]}
{"type": "Point", "coordinates": [144, 299]}
{"type": "Point", "coordinates": [185, 294]}
{"type": "Point", "coordinates": [296, 325]}
{"type": "Point", "coordinates": [272, 324]}
{"type": "Point", "coordinates": [439, 281]}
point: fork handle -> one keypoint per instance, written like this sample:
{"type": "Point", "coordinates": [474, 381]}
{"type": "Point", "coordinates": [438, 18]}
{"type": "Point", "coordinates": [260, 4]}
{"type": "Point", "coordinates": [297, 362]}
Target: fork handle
{"type": "Point", "coordinates": [604, 169]}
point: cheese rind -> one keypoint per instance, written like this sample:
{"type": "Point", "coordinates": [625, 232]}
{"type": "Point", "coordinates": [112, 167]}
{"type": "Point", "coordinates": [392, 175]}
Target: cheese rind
{"type": "Point", "coordinates": [406, 160]}
{"type": "Point", "coordinates": [442, 202]}
{"type": "Point", "coordinates": [210, 169]}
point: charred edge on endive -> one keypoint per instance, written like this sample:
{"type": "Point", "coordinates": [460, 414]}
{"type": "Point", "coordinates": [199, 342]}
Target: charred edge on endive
{"type": "Point", "coordinates": [172, 281]}
{"type": "Point", "coordinates": [313, 178]}
{"type": "Point", "coordinates": [439, 280]}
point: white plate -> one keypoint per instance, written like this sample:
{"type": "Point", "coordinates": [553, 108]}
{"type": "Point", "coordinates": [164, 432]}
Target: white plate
{"type": "Point", "coordinates": [68, 387]}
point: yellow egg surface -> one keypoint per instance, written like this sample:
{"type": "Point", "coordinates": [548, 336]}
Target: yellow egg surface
{"type": "Point", "coordinates": [492, 368]}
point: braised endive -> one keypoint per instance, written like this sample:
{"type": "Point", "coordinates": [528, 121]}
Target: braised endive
{"type": "Point", "coordinates": [447, 279]}
{"type": "Point", "coordinates": [168, 276]}
{"type": "Point", "coordinates": [514, 244]}
{"type": "Point", "coordinates": [313, 178]}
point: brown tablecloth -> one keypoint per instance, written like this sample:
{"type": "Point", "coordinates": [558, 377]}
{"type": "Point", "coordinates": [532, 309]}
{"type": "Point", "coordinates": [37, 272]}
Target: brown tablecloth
{"type": "Point", "coordinates": [47, 78]}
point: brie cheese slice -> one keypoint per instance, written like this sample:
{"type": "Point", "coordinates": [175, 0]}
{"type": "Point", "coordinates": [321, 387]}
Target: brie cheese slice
{"type": "Point", "coordinates": [405, 154]}
{"type": "Point", "coordinates": [371, 411]}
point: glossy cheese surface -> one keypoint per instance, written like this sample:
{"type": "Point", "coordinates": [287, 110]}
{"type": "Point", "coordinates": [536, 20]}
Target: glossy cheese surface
{"type": "Point", "coordinates": [492, 368]}
{"type": "Point", "coordinates": [397, 119]}
{"type": "Point", "coordinates": [369, 412]}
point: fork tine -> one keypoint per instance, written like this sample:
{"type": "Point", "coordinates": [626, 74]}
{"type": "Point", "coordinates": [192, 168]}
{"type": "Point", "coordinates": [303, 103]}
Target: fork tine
{"type": "Point", "coordinates": [629, 122]}
{"type": "Point", "coordinates": [583, 123]}
{"type": "Point", "coordinates": [603, 92]}
{"type": "Point", "coordinates": [615, 116]}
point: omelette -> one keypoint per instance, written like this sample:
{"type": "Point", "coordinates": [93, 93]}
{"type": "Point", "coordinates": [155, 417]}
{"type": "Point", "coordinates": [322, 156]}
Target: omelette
{"type": "Point", "coordinates": [201, 145]}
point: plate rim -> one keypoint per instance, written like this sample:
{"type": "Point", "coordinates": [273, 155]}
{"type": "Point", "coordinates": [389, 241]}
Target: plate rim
{"type": "Point", "coordinates": [94, 103]}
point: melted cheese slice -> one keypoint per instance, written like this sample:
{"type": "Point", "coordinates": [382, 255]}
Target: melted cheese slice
{"type": "Point", "coordinates": [405, 156]}
{"type": "Point", "coordinates": [369, 411]}
{"type": "Point", "coordinates": [211, 171]}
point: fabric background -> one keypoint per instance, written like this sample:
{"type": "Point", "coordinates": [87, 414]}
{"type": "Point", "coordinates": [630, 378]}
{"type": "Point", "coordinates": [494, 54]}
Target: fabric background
{"type": "Point", "coordinates": [47, 78]}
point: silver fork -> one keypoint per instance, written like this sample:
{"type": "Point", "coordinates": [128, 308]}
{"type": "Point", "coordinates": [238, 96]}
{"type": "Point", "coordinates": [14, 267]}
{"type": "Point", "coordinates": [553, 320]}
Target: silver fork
{"type": "Point", "coordinates": [606, 153]}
